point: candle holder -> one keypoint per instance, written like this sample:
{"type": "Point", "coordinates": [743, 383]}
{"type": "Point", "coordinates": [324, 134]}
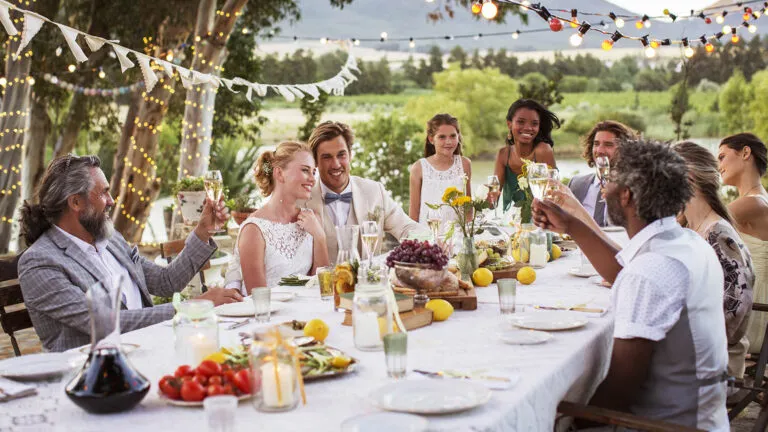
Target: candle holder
{"type": "Point", "coordinates": [196, 330]}
{"type": "Point", "coordinates": [277, 384]}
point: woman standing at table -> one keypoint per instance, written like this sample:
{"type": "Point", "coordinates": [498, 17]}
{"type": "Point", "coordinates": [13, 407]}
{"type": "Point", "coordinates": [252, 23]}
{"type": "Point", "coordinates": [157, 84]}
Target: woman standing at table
{"type": "Point", "coordinates": [530, 127]}
{"type": "Point", "coordinates": [706, 214]}
{"type": "Point", "coordinates": [742, 159]}
{"type": "Point", "coordinates": [441, 167]}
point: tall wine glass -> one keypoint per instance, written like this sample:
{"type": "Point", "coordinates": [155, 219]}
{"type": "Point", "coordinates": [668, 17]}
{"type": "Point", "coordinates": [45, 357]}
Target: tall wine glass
{"type": "Point", "coordinates": [214, 186]}
{"type": "Point", "coordinates": [602, 169]}
{"type": "Point", "coordinates": [434, 219]}
{"type": "Point", "coordinates": [538, 177]}
{"type": "Point", "coordinates": [554, 181]}
{"type": "Point", "coordinates": [370, 234]}
{"type": "Point", "coordinates": [494, 187]}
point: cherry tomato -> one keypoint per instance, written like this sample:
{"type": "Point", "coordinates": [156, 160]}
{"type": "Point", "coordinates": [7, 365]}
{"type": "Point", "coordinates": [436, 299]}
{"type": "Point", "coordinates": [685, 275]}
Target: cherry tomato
{"type": "Point", "coordinates": [183, 370]}
{"type": "Point", "coordinates": [229, 376]}
{"type": "Point", "coordinates": [209, 368]}
{"type": "Point", "coordinates": [215, 389]}
{"type": "Point", "coordinates": [192, 391]}
{"type": "Point", "coordinates": [201, 379]}
{"type": "Point", "coordinates": [243, 381]}
{"type": "Point", "coordinates": [216, 379]}
{"type": "Point", "coordinates": [170, 386]}
{"type": "Point", "coordinates": [228, 389]}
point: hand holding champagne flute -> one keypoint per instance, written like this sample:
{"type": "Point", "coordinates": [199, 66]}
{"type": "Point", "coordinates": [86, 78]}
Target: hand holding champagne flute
{"type": "Point", "coordinates": [214, 187]}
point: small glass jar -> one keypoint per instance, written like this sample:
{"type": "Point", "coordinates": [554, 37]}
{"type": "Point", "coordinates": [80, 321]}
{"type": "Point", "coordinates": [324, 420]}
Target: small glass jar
{"type": "Point", "coordinates": [275, 378]}
{"type": "Point", "coordinates": [539, 253]}
{"type": "Point", "coordinates": [524, 244]}
{"type": "Point", "coordinates": [197, 332]}
{"type": "Point", "coordinates": [371, 310]}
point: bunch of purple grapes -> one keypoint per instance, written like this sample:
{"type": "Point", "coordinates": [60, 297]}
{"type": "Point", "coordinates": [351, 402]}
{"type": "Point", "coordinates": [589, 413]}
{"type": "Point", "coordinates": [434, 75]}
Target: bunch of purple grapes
{"type": "Point", "coordinates": [414, 251]}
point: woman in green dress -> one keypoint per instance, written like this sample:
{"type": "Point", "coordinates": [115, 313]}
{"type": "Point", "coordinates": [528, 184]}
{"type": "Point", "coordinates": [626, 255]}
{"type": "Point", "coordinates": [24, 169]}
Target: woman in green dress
{"type": "Point", "coordinates": [530, 127]}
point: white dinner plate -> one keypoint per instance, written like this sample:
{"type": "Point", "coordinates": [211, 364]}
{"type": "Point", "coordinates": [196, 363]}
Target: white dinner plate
{"type": "Point", "coordinates": [385, 422]}
{"type": "Point", "coordinates": [282, 295]}
{"type": "Point", "coordinates": [36, 366]}
{"type": "Point", "coordinates": [548, 321]}
{"type": "Point", "coordinates": [524, 337]}
{"type": "Point", "coordinates": [435, 396]}
{"type": "Point", "coordinates": [242, 309]}
{"type": "Point", "coordinates": [612, 229]}
{"type": "Point", "coordinates": [580, 272]}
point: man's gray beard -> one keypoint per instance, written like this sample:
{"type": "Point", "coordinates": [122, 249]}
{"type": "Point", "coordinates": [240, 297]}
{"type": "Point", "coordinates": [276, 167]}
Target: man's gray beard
{"type": "Point", "coordinates": [99, 225]}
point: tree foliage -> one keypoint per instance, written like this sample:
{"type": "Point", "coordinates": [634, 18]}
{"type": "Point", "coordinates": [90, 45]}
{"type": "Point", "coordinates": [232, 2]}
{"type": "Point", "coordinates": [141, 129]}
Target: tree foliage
{"type": "Point", "coordinates": [734, 96]}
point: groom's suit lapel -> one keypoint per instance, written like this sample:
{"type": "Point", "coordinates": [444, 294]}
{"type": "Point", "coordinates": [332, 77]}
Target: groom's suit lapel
{"type": "Point", "coordinates": [359, 201]}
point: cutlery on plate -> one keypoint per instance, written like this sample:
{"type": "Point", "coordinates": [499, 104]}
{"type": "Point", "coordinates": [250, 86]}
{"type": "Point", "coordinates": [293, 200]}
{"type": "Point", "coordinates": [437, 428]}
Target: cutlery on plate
{"type": "Point", "coordinates": [578, 308]}
{"type": "Point", "coordinates": [451, 374]}
{"type": "Point", "coordinates": [239, 324]}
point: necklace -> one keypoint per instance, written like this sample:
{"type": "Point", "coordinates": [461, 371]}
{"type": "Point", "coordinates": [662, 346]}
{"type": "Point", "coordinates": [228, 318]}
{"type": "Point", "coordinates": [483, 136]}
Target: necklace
{"type": "Point", "coordinates": [755, 187]}
{"type": "Point", "coordinates": [703, 220]}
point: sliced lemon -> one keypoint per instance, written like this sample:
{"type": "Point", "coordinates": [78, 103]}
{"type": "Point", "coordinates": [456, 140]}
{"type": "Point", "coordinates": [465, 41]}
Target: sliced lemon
{"type": "Point", "coordinates": [341, 362]}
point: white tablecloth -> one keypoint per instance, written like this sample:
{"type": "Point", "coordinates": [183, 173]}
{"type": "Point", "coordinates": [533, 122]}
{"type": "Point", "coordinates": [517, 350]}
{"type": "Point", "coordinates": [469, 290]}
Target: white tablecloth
{"type": "Point", "coordinates": [569, 366]}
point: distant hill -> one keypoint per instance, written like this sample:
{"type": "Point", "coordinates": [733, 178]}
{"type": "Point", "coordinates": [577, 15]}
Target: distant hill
{"type": "Point", "coordinates": [408, 18]}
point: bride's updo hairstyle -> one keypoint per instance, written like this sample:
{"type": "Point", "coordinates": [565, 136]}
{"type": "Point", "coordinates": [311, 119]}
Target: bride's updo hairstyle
{"type": "Point", "coordinates": [269, 160]}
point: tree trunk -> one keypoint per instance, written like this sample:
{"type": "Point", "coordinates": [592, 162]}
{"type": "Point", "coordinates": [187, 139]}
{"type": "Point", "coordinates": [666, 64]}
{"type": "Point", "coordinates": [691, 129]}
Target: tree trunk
{"type": "Point", "coordinates": [12, 127]}
{"type": "Point", "coordinates": [35, 140]}
{"type": "Point", "coordinates": [129, 126]}
{"type": "Point", "coordinates": [198, 111]}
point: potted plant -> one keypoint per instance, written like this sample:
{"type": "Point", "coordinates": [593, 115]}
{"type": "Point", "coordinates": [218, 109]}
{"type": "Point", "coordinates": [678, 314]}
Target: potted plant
{"type": "Point", "coordinates": [241, 206]}
{"type": "Point", "coordinates": [190, 197]}
{"type": "Point", "coordinates": [168, 216]}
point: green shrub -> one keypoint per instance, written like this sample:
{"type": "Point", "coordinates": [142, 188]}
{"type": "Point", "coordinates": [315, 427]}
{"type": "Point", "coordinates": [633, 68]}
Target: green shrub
{"type": "Point", "coordinates": [234, 157]}
{"type": "Point", "coordinates": [574, 84]}
{"type": "Point", "coordinates": [188, 184]}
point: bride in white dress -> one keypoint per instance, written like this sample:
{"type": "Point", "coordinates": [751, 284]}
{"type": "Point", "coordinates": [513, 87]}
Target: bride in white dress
{"type": "Point", "coordinates": [279, 239]}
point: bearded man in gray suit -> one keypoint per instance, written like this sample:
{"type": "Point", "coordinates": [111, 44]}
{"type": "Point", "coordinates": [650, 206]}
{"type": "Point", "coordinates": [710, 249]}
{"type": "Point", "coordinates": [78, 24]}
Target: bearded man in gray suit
{"type": "Point", "coordinates": [73, 246]}
{"type": "Point", "coordinates": [601, 141]}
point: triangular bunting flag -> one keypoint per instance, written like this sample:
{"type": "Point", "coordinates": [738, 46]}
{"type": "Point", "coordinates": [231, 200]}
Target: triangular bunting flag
{"type": "Point", "coordinates": [5, 18]}
{"type": "Point", "coordinates": [261, 89]}
{"type": "Point", "coordinates": [32, 25]}
{"type": "Point", "coordinates": [94, 43]}
{"type": "Point", "coordinates": [184, 74]}
{"type": "Point", "coordinates": [249, 93]}
{"type": "Point", "coordinates": [229, 83]}
{"type": "Point", "coordinates": [167, 67]}
{"type": "Point", "coordinates": [310, 90]}
{"type": "Point", "coordinates": [296, 91]}
{"type": "Point", "coordinates": [122, 55]}
{"type": "Point", "coordinates": [70, 35]}
{"type": "Point", "coordinates": [150, 79]}
{"type": "Point", "coordinates": [290, 97]}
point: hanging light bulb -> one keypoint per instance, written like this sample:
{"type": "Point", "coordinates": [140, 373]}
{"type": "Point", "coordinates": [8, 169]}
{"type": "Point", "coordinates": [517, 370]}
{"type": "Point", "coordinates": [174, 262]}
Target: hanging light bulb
{"type": "Point", "coordinates": [734, 36]}
{"type": "Point", "coordinates": [489, 10]}
{"type": "Point", "coordinates": [687, 51]}
{"type": "Point", "coordinates": [526, 3]}
{"type": "Point", "coordinates": [555, 25]}
{"type": "Point", "coordinates": [516, 34]}
{"type": "Point", "coordinates": [655, 44]}
{"type": "Point", "coordinates": [31, 81]}
{"type": "Point", "coordinates": [726, 28]}
{"type": "Point", "coordinates": [574, 18]}
{"type": "Point", "coordinates": [71, 68]}
{"type": "Point", "coordinates": [383, 36]}
{"type": "Point", "coordinates": [649, 51]}
{"type": "Point", "coordinates": [3, 82]}
{"type": "Point", "coordinates": [709, 48]}
{"type": "Point", "coordinates": [639, 25]}
{"type": "Point", "coordinates": [666, 11]}
{"type": "Point", "coordinates": [102, 75]}
{"type": "Point", "coordinates": [476, 7]}
{"type": "Point", "coordinates": [752, 28]}
{"type": "Point", "coordinates": [616, 20]}
{"type": "Point", "coordinates": [58, 51]}
{"type": "Point", "coordinates": [647, 21]}
{"type": "Point", "coordinates": [412, 43]}
{"type": "Point", "coordinates": [578, 37]}
{"type": "Point", "coordinates": [357, 42]}
{"type": "Point", "coordinates": [607, 44]}
{"type": "Point", "coordinates": [721, 18]}
{"type": "Point", "coordinates": [324, 40]}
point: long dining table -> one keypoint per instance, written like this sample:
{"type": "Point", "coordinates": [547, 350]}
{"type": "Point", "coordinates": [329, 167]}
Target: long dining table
{"type": "Point", "coordinates": [567, 367]}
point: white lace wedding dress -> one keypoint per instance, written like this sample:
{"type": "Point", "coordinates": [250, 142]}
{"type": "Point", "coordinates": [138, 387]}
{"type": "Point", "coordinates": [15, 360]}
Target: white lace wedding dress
{"type": "Point", "coordinates": [288, 251]}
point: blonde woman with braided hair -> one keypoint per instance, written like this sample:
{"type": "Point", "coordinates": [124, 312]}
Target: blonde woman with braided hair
{"type": "Point", "coordinates": [281, 238]}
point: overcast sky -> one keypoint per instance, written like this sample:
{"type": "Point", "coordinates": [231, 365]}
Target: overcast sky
{"type": "Point", "coordinates": [655, 7]}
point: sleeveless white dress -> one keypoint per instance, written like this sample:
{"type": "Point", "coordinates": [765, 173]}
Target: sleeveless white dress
{"type": "Point", "coordinates": [288, 251]}
{"type": "Point", "coordinates": [433, 185]}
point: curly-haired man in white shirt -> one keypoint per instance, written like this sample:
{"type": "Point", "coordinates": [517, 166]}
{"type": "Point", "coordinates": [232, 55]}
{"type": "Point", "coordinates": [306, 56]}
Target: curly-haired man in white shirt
{"type": "Point", "coordinates": [669, 354]}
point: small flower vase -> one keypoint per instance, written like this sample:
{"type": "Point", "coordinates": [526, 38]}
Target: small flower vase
{"type": "Point", "coordinates": [467, 258]}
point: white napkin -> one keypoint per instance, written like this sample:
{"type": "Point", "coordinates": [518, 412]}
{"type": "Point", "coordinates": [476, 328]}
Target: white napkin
{"type": "Point", "coordinates": [13, 390]}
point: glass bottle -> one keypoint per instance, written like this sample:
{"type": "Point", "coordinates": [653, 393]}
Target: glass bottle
{"type": "Point", "coordinates": [107, 382]}
{"type": "Point", "coordinates": [524, 243]}
{"type": "Point", "coordinates": [196, 330]}
{"type": "Point", "coordinates": [347, 260]}
{"type": "Point", "coordinates": [539, 252]}
{"type": "Point", "coordinates": [371, 310]}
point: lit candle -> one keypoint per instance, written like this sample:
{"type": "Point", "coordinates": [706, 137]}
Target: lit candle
{"type": "Point", "coordinates": [538, 255]}
{"type": "Point", "coordinates": [200, 346]}
{"type": "Point", "coordinates": [365, 328]}
{"type": "Point", "coordinates": [271, 379]}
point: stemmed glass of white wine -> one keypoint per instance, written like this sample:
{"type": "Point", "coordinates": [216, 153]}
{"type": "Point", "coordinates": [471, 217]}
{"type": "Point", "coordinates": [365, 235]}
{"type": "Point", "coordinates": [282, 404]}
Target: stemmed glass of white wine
{"type": "Point", "coordinates": [370, 234]}
{"type": "Point", "coordinates": [494, 187]}
{"type": "Point", "coordinates": [434, 220]}
{"type": "Point", "coordinates": [214, 187]}
{"type": "Point", "coordinates": [554, 182]}
{"type": "Point", "coordinates": [538, 178]}
{"type": "Point", "coordinates": [602, 169]}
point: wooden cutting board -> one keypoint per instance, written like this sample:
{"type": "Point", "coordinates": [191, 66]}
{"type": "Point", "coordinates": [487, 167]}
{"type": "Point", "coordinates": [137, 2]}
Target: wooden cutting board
{"type": "Point", "coordinates": [508, 273]}
{"type": "Point", "coordinates": [466, 299]}
{"type": "Point", "coordinates": [412, 319]}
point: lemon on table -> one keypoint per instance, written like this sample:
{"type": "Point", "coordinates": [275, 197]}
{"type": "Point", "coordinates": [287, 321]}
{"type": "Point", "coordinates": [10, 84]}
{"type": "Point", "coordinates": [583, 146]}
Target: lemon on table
{"type": "Point", "coordinates": [482, 277]}
{"type": "Point", "coordinates": [556, 252]}
{"type": "Point", "coordinates": [340, 362]}
{"type": "Point", "coordinates": [526, 275]}
{"type": "Point", "coordinates": [440, 308]}
{"type": "Point", "coordinates": [218, 357]}
{"type": "Point", "coordinates": [316, 328]}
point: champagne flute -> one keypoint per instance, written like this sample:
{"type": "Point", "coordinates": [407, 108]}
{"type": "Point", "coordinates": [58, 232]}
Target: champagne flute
{"type": "Point", "coordinates": [554, 180]}
{"type": "Point", "coordinates": [370, 233]}
{"type": "Point", "coordinates": [434, 219]}
{"type": "Point", "coordinates": [538, 177]}
{"type": "Point", "coordinates": [602, 169]}
{"type": "Point", "coordinates": [494, 187]}
{"type": "Point", "coordinates": [214, 186]}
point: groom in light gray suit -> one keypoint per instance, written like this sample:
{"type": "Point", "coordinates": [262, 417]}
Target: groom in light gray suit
{"type": "Point", "coordinates": [74, 246]}
{"type": "Point", "coordinates": [601, 141]}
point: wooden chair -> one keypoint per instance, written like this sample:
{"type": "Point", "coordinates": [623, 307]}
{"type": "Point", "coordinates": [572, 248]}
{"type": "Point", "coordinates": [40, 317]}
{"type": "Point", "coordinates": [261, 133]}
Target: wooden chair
{"type": "Point", "coordinates": [759, 389]}
{"type": "Point", "coordinates": [618, 418]}
{"type": "Point", "coordinates": [17, 318]}
{"type": "Point", "coordinates": [171, 249]}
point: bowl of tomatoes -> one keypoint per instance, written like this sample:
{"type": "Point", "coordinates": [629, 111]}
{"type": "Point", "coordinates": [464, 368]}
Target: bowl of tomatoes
{"type": "Point", "coordinates": [189, 386]}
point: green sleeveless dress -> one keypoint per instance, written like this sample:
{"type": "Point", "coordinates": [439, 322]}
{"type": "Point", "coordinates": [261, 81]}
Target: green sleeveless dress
{"type": "Point", "coordinates": [511, 192]}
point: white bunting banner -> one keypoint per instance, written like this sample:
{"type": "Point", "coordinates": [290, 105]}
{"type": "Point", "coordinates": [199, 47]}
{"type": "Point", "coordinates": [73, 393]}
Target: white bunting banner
{"type": "Point", "coordinates": [122, 56]}
{"type": "Point", "coordinates": [94, 43]}
{"type": "Point", "coordinates": [70, 35]}
{"type": "Point", "coordinates": [32, 25]}
{"type": "Point", "coordinates": [5, 18]}
{"type": "Point", "coordinates": [150, 79]}
{"type": "Point", "coordinates": [167, 68]}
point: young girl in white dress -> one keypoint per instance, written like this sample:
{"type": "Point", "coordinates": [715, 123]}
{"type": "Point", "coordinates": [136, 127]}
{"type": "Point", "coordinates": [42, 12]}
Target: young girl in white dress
{"type": "Point", "coordinates": [279, 239]}
{"type": "Point", "coordinates": [441, 167]}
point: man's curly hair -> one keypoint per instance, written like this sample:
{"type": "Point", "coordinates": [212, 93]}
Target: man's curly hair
{"type": "Point", "coordinates": [657, 177]}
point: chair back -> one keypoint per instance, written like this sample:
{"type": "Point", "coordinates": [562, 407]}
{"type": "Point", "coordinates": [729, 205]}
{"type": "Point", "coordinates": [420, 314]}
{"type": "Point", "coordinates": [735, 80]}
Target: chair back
{"type": "Point", "coordinates": [171, 249]}
{"type": "Point", "coordinates": [13, 315]}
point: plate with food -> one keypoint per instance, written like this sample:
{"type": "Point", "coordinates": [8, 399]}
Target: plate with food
{"type": "Point", "coordinates": [320, 361]}
{"type": "Point", "coordinates": [222, 373]}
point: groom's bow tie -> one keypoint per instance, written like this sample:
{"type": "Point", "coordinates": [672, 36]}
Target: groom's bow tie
{"type": "Point", "coordinates": [331, 197]}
